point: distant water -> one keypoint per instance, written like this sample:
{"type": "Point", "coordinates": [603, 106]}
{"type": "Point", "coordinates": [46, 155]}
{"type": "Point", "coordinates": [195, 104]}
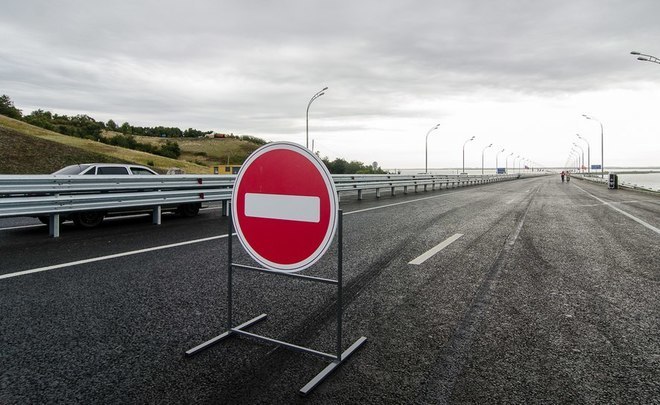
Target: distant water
{"type": "Point", "coordinates": [649, 181]}
{"type": "Point", "coordinates": [471, 172]}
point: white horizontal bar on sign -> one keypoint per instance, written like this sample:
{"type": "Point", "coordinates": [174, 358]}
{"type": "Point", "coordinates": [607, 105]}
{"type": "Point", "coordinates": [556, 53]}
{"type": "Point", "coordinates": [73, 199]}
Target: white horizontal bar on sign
{"type": "Point", "coordinates": [284, 207]}
{"type": "Point", "coordinates": [425, 256]}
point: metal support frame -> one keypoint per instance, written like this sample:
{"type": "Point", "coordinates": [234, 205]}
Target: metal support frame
{"type": "Point", "coordinates": [156, 215]}
{"type": "Point", "coordinates": [336, 359]}
{"type": "Point", "coordinates": [54, 225]}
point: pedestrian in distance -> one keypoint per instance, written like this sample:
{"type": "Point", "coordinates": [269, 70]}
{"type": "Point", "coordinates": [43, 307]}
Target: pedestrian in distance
{"type": "Point", "coordinates": [568, 176]}
{"type": "Point", "coordinates": [562, 176]}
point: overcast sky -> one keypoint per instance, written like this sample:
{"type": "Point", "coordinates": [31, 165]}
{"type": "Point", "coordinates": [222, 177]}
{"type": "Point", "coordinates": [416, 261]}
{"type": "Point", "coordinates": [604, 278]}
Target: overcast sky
{"type": "Point", "coordinates": [517, 74]}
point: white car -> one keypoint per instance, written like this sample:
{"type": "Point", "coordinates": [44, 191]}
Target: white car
{"type": "Point", "coordinates": [90, 219]}
{"type": "Point", "coordinates": [104, 168]}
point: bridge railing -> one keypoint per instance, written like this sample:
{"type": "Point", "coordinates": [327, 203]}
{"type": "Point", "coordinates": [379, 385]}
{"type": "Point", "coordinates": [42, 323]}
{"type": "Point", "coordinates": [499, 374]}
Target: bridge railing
{"type": "Point", "coordinates": [54, 195]}
{"type": "Point", "coordinates": [346, 183]}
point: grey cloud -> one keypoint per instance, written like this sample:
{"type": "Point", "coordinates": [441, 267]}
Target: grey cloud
{"type": "Point", "coordinates": [258, 61]}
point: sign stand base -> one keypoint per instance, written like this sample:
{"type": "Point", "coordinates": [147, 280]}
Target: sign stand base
{"type": "Point", "coordinates": [336, 359]}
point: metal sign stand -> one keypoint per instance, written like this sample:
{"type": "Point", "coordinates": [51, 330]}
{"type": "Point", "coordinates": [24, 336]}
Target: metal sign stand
{"type": "Point", "coordinates": [336, 360]}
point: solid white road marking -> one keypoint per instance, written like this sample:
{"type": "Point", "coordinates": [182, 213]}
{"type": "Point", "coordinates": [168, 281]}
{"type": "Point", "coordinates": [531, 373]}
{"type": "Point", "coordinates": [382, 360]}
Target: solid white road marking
{"type": "Point", "coordinates": [114, 256]}
{"type": "Point", "coordinates": [22, 227]}
{"type": "Point", "coordinates": [425, 256]}
{"type": "Point", "coordinates": [634, 218]}
{"type": "Point", "coordinates": [134, 252]}
{"type": "Point", "coordinates": [285, 207]}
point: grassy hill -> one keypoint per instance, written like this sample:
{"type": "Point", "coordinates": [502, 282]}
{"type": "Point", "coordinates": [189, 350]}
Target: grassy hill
{"type": "Point", "coordinates": [25, 154]}
{"type": "Point", "coordinates": [204, 151]}
{"type": "Point", "coordinates": [27, 149]}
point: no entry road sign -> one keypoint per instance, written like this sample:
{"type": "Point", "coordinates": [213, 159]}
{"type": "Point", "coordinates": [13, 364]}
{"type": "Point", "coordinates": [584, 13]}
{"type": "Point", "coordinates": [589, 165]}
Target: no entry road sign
{"type": "Point", "coordinates": [284, 207]}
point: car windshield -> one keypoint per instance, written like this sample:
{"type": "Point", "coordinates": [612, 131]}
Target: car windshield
{"type": "Point", "coordinates": [73, 169]}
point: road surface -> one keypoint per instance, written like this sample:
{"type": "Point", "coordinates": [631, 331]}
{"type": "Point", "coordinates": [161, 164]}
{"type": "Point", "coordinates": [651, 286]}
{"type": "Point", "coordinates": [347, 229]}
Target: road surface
{"type": "Point", "coordinates": [523, 291]}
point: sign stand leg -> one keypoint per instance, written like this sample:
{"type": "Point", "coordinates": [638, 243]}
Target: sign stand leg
{"type": "Point", "coordinates": [230, 329]}
{"type": "Point", "coordinates": [336, 360]}
{"type": "Point", "coordinates": [340, 268]}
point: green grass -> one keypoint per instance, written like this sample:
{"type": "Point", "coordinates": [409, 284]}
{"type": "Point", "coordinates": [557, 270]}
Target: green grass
{"type": "Point", "coordinates": [26, 149]}
{"type": "Point", "coordinates": [26, 154]}
{"type": "Point", "coordinates": [207, 151]}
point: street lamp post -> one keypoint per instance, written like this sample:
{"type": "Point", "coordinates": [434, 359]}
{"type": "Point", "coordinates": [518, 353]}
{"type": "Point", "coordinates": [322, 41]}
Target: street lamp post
{"type": "Point", "coordinates": [576, 158]}
{"type": "Point", "coordinates": [482, 158]}
{"type": "Point", "coordinates": [426, 161]}
{"type": "Point", "coordinates": [496, 164]}
{"type": "Point", "coordinates": [576, 155]}
{"type": "Point", "coordinates": [314, 97]}
{"type": "Point", "coordinates": [588, 153]}
{"type": "Point", "coordinates": [646, 58]}
{"type": "Point", "coordinates": [582, 151]}
{"type": "Point", "coordinates": [471, 139]}
{"type": "Point", "coordinates": [514, 163]}
{"type": "Point", "coordinates": [602, 164]}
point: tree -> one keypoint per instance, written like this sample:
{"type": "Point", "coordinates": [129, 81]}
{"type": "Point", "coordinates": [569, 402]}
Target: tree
{"type": "Point", "coordinates": [170, 149]}
{"type": "Point", "coordinates": [41, 118]}
{"type": "Point", "coordinates": [7, 108]}
{"type": "Point", "coordinates": [192, 133]}
{"type": "Point", "coordinates": [125, 128]}
{"type": "Point", "coordinates": [341, 166]}
{"type": "Point", "coordinates": [111, 125]}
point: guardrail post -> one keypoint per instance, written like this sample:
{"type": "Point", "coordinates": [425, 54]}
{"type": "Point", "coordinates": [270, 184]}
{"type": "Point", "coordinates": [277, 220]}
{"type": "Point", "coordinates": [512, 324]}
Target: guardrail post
{"type": "Point", "coordinates": [359, 194]}
{"type": "Point", "coordinates": [377, 193]}
{"type": "Point", "coordinates": [54, 225]}
{"type": "Point", "coordinates": [225, 208]}
{"type": "Point", "coordinates": [405, 189]}
{"type": "Point", "coordinates": [393, 191]}
{"type": "Point", "coordinates": [156, 215]}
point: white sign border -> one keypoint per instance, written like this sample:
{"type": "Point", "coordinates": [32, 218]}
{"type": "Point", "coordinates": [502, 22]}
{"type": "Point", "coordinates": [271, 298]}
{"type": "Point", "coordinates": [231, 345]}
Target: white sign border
{"type": "Point", "coordinates": [333, 199]}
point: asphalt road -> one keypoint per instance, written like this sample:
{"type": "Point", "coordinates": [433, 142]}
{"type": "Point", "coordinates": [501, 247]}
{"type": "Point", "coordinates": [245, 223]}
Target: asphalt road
{"type": "Point", "coordinates": [547, 294]}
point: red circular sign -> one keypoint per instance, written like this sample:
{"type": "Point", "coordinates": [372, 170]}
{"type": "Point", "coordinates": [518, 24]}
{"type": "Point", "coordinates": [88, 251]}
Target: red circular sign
{"type": "Point", "coordinates": [284, 207]}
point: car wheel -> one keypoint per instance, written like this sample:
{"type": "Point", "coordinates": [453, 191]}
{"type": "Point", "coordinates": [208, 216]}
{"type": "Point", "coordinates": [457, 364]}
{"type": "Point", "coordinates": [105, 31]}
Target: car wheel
{"type": "Point", "coordinates": [88, 219]}
{"type": "Point", "coordinates": [188, 210]}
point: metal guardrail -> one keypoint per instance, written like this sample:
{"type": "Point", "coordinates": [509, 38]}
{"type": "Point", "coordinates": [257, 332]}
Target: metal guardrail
{"type": "Point", "coordinates": [595, 178]}
{"type": "Point", "coordinates": [55, 195]}
{"type": "Point", "coordinates": [592, 178]}
{"type": "Point", "coordinates": [359, 183]}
